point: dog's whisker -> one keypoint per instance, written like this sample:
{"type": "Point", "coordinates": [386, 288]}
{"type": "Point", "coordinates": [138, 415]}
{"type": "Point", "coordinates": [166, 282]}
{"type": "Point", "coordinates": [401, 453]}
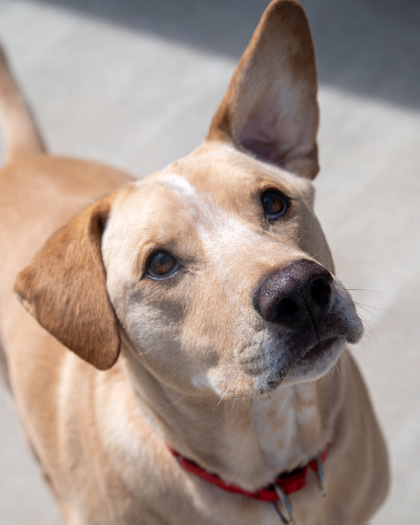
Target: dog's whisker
{"type": "Point", "coordinates": [273, 400]}
{"type": "Point", "coordinates": [366, 321]}
{"type": "Point", "coordinates": [294, 399]}
{"type": "Point", "coordinates": [337, 369]}
{"type": "Point", "coordinates": [317, 254]}
{"type": "Point", "coordinates": [365, 291]}
{"type": "Point", "coordinates": [174, 402]}
{"type": "Point", "coordinates": [369, 335]}
{"type": "Point", "coordinates": [369, 307]}
{"type": "Point", "coordinates": [352, 287]}
{"type": "Point", "coordinates": [218, 403]}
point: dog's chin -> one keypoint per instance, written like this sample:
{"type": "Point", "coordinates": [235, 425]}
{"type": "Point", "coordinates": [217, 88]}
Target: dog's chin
{"type": "Point", "coordinates": [311, 365]}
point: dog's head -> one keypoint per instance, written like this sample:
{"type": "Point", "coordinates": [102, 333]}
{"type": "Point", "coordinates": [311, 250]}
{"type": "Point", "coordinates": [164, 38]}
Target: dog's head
{"type": "Point", "coordinates": [214, 271]}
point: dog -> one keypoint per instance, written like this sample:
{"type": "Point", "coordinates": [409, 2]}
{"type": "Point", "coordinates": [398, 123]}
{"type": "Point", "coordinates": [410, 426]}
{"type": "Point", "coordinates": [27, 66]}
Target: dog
{"type": "Point", "coordinates": [180, 356]}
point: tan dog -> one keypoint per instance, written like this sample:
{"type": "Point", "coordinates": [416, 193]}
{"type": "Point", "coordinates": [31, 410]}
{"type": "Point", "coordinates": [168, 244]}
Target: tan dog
{"type": "Point", "coordinates": [206, 291]}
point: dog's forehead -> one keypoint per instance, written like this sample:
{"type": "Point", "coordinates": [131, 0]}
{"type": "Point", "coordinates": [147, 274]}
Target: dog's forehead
{"type": "Point", "coordinates": [218, 174]}
{"type": "Point", "coordinates": [224, 173]}
{"type": "Point", "coordinates": [213, 191]}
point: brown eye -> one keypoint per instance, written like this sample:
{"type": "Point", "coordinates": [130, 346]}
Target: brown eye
{"type": "Point", "coordinates": [161, 265]}
{"type": "Point", "coordinates": [274, 203]}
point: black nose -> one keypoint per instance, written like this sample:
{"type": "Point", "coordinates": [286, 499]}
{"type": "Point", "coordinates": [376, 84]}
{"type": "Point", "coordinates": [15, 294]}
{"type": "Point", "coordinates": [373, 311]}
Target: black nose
{"type": "Point", "coordinates": [296, 295]}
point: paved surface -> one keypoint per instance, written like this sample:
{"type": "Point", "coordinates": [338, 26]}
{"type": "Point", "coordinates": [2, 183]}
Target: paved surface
{"type": "Point", "coordinates": [134, 83]}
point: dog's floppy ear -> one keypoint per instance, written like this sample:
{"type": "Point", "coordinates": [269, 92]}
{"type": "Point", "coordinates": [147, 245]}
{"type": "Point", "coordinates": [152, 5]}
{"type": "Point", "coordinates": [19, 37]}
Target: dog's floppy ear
{"type": "Point", "coordinates": [64, 288]}
{"type": "Point", "coordinates": [270, 107]}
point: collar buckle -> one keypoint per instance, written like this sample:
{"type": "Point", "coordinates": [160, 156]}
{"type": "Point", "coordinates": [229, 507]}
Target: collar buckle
{"type": "Point", "coordinates": [320, 474]}
{"type": "Point", "coordinates": [288, 516]}
{"type": "Point", "coordinates": [285, 510]}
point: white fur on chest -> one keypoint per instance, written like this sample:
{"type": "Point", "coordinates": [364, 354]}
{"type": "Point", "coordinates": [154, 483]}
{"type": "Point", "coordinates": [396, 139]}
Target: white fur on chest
{"type": "Point", "coordinates": [283, 423]}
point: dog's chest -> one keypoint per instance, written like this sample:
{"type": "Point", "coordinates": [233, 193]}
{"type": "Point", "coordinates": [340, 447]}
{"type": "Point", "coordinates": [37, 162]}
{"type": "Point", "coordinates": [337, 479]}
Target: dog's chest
{"type": "Point", "coordinates": [284, 423]}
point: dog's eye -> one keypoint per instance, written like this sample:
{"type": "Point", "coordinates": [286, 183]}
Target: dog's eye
{"type": "Point", "coordinates": [274, 203]}
{"type": "Point", "coordinates": [161, 265]}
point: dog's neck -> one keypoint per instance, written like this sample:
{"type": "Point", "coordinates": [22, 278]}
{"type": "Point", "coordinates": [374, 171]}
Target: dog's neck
{"type": "Point", "coordinates": [247, 442]}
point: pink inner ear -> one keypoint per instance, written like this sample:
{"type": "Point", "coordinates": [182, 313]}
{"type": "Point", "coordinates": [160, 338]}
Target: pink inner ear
{"type": "Point", "coordinates": [261, 136]}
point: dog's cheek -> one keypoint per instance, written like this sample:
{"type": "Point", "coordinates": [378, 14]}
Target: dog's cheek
{"type": "Point", "coordinates": [154, 335]}
{"type": "Point", "coordinates": [193, 352]}
{"type": "Point", "coordinates": [166, 341]}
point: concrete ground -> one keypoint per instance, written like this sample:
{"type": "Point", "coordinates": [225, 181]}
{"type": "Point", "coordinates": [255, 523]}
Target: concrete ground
{"type": "Point", "coordinates": [134, 83]}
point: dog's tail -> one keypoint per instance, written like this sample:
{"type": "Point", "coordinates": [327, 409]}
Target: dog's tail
{"type": "Point", "coordinates": [21, 135]}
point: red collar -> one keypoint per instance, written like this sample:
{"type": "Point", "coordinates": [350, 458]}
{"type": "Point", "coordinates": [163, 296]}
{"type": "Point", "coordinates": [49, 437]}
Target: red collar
{"type": "Point", "coordinates": [288, 481]}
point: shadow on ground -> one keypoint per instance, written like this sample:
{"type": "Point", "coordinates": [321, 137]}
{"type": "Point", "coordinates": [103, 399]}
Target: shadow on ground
{"type": "Point", "coordinates": [357, 40]}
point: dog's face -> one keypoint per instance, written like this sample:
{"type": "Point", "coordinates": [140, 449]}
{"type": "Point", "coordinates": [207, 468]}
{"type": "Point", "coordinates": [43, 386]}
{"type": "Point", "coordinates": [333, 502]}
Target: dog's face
{"type": "Point", "coordinates": [195, 279]}
{"type": "Point", "coordinates": [214, 271]}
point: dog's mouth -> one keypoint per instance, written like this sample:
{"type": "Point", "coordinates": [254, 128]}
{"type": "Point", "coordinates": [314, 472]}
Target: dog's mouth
{"type": "Point", "coordinates": [318, 350]}
{"type": "Point", "coordinates": [307, 365]}
{"type": "Point", "coordinates": [300, 361]}
{"type": "Point", "coordinates": [322, 352]}
{"type": "Point", "coordinates": [320, 355]}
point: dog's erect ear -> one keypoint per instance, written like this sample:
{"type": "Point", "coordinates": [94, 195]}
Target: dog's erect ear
{"type": "Point", "coordinates": [270, 107]}
{"type": "Point", "coordinates": [64, 288]}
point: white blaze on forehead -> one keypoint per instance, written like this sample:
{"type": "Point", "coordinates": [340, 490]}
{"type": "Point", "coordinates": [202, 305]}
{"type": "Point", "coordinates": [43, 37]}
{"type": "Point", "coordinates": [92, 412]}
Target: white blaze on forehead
{"type": "Point", "coordinates": [178, 184]}
{"type": "Point", "coordinates": [206, 213]}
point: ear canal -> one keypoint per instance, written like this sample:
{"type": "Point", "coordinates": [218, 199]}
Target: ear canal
{"type": "Point", "coordinates": [64, 289]}
{"type": "Point", "coordinates": [270, 107]}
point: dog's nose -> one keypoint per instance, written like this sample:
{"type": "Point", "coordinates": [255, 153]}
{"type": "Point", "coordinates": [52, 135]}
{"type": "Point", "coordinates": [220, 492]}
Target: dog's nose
{"type": "Point", "coordinates": [295, 295]}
